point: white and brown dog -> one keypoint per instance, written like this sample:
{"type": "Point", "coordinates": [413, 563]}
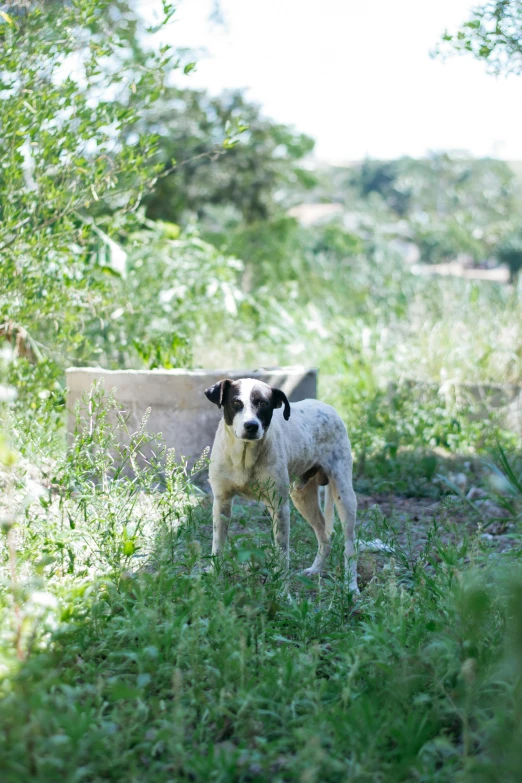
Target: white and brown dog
{"type": "Point", "coordinates": [288, 451]}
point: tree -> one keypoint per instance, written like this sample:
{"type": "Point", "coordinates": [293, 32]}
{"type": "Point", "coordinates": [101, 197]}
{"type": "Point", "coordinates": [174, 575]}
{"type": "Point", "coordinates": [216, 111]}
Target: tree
{"type": "Point", "coordinates": [67, 95]}
{"type": "Point", "coordinates": [251, 176]}
{"type": "Point", "coordinates": [382, 177]}
{"type": "Point", "coordinates": [509, 251]}
{"type": "Point", "coordinates": [441, 184]}
{"type": "Point", "coordinates": [493, 34]}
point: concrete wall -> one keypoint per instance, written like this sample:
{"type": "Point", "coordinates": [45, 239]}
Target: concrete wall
{"type": "Point", "coordinates": [179, 408]}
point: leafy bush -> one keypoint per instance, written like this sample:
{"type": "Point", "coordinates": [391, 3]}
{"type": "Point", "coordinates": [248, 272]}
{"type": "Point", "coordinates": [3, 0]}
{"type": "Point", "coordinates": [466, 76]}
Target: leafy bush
{"type": "Point", "coordinates": [493, 35]}
{"type": "Point", "coordinates": [445, 241]}
{"type": "Point", "coordinates": [509, 252]}
{"type": "Point", "coordinates": [68, 96]}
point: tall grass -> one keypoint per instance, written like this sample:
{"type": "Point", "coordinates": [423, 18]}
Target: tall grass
{"type": "Point", "coordinates": [395, 325]}
{"type": "Point", "coordinates": [123, 659]}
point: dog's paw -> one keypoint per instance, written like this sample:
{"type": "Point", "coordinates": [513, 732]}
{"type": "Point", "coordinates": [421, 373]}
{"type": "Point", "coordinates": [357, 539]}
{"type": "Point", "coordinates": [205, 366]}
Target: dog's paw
{"type": "Point", "coordinates": [353, 587]}
{"type": "Point", "coordinates": [312, 571]}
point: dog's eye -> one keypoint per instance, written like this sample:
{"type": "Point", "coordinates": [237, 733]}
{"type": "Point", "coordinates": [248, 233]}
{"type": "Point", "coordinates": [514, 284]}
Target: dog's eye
{"type": "Point", "coordinates": [262, 404]}
{"type": "Point", "coordinates": [237, 404]}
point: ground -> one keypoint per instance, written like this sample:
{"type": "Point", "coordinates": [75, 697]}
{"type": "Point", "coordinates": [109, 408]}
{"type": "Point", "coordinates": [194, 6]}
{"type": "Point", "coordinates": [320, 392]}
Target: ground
{"type": "Point", "coordinates": [138, 664]}
{"type": "Point", "coordinates": [407, 521]}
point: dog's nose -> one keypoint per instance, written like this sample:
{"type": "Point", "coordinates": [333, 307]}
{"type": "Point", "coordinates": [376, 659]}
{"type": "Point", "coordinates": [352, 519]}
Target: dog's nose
{"type": "Point", "coordinates": [251, 427]}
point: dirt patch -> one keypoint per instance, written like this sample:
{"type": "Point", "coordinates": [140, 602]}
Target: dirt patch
{"type": "Point", "coordinates": [412, 520]}
{"type": "Point", "coordinates": [406, 521]}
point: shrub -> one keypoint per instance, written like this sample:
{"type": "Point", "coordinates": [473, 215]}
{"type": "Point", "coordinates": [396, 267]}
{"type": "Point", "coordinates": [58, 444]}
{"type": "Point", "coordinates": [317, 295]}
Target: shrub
{"type": "Point", "coordinates": [509, 251]}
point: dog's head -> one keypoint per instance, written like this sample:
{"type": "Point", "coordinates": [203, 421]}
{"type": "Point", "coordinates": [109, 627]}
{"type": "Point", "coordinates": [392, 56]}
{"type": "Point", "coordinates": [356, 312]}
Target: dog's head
{"type": "Point", "coordinates": [248, 405]}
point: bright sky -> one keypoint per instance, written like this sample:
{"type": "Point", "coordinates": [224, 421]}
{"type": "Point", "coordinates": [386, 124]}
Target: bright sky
{"type": "Point", "coordinates": [355, 75]}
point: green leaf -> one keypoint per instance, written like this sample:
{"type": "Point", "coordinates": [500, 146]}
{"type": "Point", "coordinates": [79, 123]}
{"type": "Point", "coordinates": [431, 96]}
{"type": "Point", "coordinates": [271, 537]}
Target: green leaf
{"type": "Point", "coordinates": [121, 690]}
{"type": "Point", "coordinates": [9, 19]}
{"type": "Point", "coordinates": [143, 679]}
{"type": "Point", "coordinates": [189, 67]}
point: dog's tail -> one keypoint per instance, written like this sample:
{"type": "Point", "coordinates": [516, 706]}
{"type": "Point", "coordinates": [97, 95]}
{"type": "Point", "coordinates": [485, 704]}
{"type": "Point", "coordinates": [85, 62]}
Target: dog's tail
{"type": "Point", "coordinates": [329, 510]}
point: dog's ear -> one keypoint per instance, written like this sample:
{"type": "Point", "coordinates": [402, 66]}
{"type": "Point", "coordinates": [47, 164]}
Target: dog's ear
{"type": "Point", "coordinates": [280, 398]}
{"type": "Point", "coordinates": [216, 393]}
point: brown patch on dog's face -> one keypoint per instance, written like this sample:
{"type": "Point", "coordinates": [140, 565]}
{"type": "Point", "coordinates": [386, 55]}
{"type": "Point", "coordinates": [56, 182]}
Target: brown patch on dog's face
{"type": "Point", "coordinates": [232, 403]}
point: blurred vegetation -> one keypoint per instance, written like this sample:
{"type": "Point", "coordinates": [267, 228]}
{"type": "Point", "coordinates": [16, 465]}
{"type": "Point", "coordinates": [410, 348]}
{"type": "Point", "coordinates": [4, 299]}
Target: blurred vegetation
{"type": "Point", "coordinates": [492, 35]}
{"type": "Point", "coordinates": [146, 224]}
{"type": "Point", "coordinates": [248, 179]}
{"type": "Point", "coordinates": [509, 252]}
{"type": "Point", "coordinates": [448, 204]}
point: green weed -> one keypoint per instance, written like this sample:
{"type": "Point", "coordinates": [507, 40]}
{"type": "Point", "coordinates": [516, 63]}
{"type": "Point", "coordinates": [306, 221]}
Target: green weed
{"type": "Point", "coordinates": [140, 665]}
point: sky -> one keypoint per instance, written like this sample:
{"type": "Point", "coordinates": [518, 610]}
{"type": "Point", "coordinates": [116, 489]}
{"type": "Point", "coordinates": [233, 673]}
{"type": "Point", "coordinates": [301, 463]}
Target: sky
{"type": "Point", "coordinates": [356, 76]}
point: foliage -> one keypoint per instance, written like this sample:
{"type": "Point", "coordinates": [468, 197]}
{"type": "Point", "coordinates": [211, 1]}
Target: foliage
{"type": "Point", "coordinates": [441, 184]}
{"type": "Point", "coordinates": [509, 252]}
{"type": "Point", "coordinates": [259, 169]}
{"type": "Point", "coordinates": [85, 277]}
{"type": "Point", "coordinates": [381, 177]}
{"type": "Point", "coordinates": [274, 250]}
{"type": "Point", "coordinates": [62, 152]}
{"type": "Point", "coordinates": [68, 94]}
{"type": "Point", "coordinates": [121, 656]}
{"type": "Point", "coordinates": [75, 166]}
{"type": "Point", "coordinates": [176, 286]}
{"type": "Point", "coordinates": [493, 34]}
{"type": "Point", "coordinates": [444, 241]}
{"type": "Point", "coordinates": [453, 204]}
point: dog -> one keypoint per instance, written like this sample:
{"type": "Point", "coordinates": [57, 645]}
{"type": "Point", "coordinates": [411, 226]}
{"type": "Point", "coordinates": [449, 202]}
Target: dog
{"type": "Point", "coordinates": [287, 451]}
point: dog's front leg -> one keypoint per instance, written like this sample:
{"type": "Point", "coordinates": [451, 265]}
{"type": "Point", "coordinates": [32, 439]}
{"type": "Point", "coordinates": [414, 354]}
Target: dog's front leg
{"type": "Point", "coordinates": [221, 511]}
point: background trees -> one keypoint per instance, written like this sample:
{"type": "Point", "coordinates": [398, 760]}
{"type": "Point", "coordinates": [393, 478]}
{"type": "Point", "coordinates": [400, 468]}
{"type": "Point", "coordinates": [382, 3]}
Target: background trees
{"type": "Point", "coordinates": [493, 34]}
{"type": "Point", "coordinates": [140, 219]}
{"type": "Point", "coordinates": [94, 139]}
{"type": "Point", "coordinates": [243, 179]}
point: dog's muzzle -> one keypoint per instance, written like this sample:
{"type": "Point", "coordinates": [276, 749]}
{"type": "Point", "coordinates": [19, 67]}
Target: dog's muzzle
{"type": "Point", "coordinates": [252, 430]}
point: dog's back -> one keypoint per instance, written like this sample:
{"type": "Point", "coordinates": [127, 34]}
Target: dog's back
{"type": "Point", "coordinates": [314, 434]}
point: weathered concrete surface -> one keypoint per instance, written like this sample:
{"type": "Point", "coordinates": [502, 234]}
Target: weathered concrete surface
{"type": "Point", "coordinates": [179, 409]}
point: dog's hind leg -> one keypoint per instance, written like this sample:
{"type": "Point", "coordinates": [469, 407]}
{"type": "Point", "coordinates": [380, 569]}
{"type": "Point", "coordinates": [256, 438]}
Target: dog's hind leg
{"type": "Point", "coordinates": [306, 501]}
{"type": "Point", "coordinates": [346, 504]}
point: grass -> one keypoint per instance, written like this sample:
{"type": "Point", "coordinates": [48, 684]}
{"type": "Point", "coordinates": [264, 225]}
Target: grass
{"type": "Point", "coordinates": [171, 674]}
{"type": "Point", "coordinates": [122, 659]}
